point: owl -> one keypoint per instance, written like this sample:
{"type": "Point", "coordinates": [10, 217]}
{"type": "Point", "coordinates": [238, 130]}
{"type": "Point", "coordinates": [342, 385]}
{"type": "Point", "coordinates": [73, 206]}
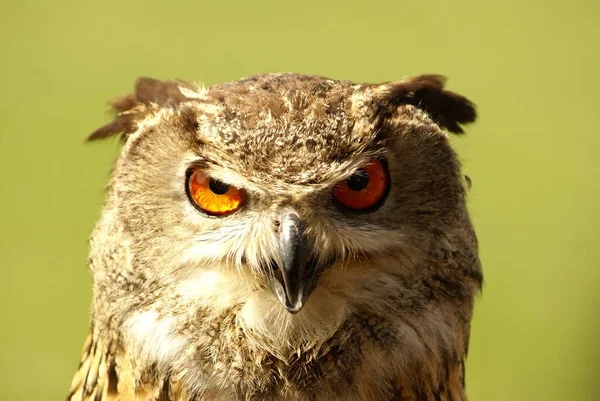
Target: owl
{"type": "Point", "coordinates": [283, 237]}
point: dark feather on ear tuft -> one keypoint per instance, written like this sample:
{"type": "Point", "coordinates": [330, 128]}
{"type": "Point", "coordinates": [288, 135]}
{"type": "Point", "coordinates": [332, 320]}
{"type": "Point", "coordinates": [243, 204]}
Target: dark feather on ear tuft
{"type": "Point", "coordinates": [447, 109]}
{"type": "Point", "coordinates": [149, 93]}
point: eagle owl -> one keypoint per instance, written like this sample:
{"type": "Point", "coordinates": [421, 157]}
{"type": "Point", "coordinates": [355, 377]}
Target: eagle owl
{"type": "Point", "coordinates": [283, 237]}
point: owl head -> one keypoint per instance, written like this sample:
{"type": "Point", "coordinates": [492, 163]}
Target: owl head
{"type": "Point", "coordinates": [286, 193]}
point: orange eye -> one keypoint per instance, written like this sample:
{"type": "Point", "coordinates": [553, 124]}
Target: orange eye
{"type": "Point", "coordinates": [213, 196]}
{"type": "Point", "coordinates": [364, 189]}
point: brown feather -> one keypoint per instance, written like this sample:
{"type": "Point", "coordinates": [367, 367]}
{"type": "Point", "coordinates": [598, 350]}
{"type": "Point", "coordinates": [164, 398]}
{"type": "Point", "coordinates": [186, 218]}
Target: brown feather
{"type": "Point", "coordinates": [149, 94]}
{"type": "Point", "coordinates": [105, 377]}
{"type": "Point", "coordinates": [448, 109]}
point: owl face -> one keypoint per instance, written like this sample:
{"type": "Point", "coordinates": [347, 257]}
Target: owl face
{"type": "Point", "coordinates": [290, 181]}
{"type": "Point", "coordinates": [283, 237]}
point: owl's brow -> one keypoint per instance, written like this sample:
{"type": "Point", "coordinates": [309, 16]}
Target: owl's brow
{"type": "Point", "coordinates": [203, 162]}
{"type": "Point", "coordinates": [222, 172]}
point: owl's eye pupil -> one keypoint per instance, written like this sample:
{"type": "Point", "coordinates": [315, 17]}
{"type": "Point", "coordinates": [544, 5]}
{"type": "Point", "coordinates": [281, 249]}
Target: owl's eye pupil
{"type": "Point", "coordinates": [218, 187]}
{"type": "Point", "coordinates": [358, 181]}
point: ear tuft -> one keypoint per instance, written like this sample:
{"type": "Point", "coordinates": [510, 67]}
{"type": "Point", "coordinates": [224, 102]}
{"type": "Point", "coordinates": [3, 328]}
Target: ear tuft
{"type": "Point", "coordinates": [448, 109]}
{"type": "Point", "coordinates": [149, 94]}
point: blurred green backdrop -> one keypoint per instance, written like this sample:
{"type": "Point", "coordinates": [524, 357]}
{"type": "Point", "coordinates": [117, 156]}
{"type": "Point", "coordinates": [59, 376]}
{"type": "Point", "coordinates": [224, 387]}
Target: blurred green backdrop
{"type": "Point", "coordinates": [532, 68]}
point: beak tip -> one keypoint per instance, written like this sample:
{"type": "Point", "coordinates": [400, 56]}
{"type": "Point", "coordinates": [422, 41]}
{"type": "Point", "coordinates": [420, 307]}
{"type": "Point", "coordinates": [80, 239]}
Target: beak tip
{"type": "Point", "coordinates": [295, 309]}
{"type": "Point", "coordinates": [292, 306]}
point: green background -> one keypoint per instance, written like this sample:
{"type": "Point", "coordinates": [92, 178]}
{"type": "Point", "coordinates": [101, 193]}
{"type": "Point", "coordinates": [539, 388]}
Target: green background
{"type": "Point", "coordinates": [533, 69]}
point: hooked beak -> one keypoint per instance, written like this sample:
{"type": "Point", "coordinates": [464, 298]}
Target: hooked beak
{"type": "Point", "coordinates": [295, 276]}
